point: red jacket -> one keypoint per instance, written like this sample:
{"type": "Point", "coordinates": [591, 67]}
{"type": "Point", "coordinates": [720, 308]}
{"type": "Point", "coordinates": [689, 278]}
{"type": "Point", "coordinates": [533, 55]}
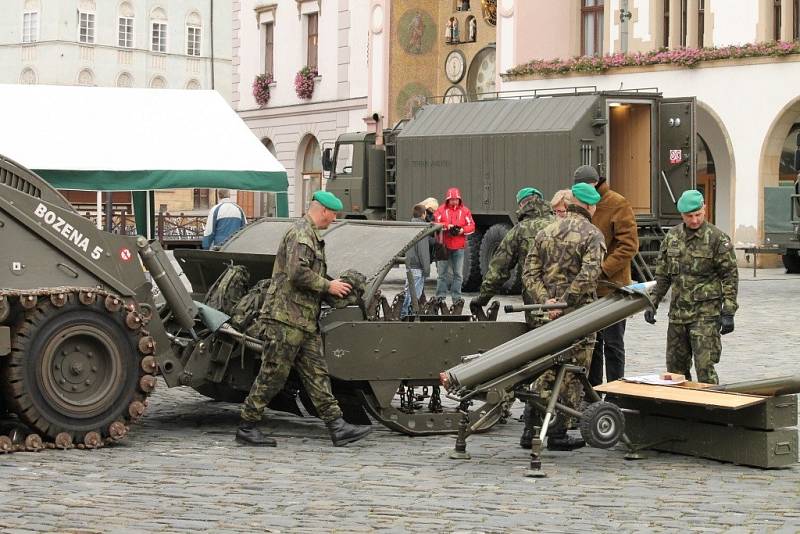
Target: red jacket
{"type": "Point", "coordinates": [459, 216]}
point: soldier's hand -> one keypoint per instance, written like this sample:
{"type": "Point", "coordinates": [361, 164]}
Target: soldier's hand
{"type": "Point", "coordinates": [725, 324]}
{"type": "Point", "coordinates": [553, 314]}
{"type": "Point", "coordinates": [482, 300]}
{"type": "Point", "coordinates": [339, 289]}
{"type": "Point", "coordinates": [650, 316]}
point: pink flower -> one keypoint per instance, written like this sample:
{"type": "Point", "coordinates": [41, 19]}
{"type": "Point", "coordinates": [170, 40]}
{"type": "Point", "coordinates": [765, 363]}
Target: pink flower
{"type": "Point", "coordinates": [261, 88]}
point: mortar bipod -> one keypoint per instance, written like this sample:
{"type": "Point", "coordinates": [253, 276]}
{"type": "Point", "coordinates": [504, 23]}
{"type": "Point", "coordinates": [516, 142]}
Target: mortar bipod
{"type": "Point", "coordinates": [601, 423]}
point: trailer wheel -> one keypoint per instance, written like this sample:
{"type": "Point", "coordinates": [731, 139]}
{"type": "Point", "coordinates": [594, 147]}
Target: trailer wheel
{"type": "Point", "coordinates": [73, 369]}
{"type": "Point", "coordinates": [472, 262]}
{"type": "Point", "coordinates": [491, 240]}
{"type": "Point", "coordinates": [602, 425]}
{"type": "Point", "coordinates": [791, 260]}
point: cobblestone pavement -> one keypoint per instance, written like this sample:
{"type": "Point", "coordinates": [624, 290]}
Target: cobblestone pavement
{"type": "Point", "coordinates": [181, 471]}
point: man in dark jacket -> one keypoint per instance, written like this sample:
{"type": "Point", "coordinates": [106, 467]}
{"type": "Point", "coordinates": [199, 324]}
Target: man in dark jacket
{"type": "Point", "coordinates": [615, 219]}
{"type": "Point", "coordinates": [419, 262]}
{"type": "Point", "coordinates": [291, 315]}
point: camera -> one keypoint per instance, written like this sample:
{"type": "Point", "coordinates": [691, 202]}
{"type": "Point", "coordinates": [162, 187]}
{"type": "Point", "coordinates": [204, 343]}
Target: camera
{"type": "Point", "coordinates": [454, 230]}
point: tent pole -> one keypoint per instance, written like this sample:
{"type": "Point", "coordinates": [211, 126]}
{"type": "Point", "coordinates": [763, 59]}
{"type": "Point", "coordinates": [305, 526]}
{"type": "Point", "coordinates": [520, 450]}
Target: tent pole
{"type": "Point", "coordinates": [147, 212]}
{"type": "Point", "coordinates": [99, 210]}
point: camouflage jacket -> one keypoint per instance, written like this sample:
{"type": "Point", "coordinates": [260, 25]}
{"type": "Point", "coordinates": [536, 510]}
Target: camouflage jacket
{"type": "Point", "coordinates": [513, 249]}
{"type": "Point", "coordinates": [700, 267]}
{"type": "Point", "coordinates": [565, 260]}
{"type": "Point", "coordinates": [298, 278]}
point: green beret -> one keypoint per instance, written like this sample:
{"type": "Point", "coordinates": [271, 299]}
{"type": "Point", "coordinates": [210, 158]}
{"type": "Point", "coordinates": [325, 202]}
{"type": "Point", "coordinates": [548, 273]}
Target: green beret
{"type": "Point", "coordinates": [525, 192]}
{"type": "Point", "coordinates": [586, 193]}
{"type": "Point", "coordinates": [329, 200]}
{"type": "Point", "coordinates": [691, 200]}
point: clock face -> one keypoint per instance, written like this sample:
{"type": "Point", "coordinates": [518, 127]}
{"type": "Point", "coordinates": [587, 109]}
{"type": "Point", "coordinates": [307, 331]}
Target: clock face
{"type": "Point", "coordinates": [454, 95]}
{"type": "Point", "coordinates": [454, 66]}
{"type": "Point", "coordinates": [481, 79]}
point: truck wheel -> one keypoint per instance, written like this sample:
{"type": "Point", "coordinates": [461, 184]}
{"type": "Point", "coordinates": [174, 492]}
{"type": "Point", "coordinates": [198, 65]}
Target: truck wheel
{"type": "Point", "coordinates": [791, 260]}
{"type": "Point", "coordinates": [472, 262]}
{"type": "Point", "coordinates": [602, 425]}
{"type": "Point", "coordinates": [491, 240]}
{"type": "Point", "coordinates": [73, 369]}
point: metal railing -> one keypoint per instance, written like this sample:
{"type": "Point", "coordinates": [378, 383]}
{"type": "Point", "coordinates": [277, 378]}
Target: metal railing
{"type": "Point", "coordinates": [520, 94]}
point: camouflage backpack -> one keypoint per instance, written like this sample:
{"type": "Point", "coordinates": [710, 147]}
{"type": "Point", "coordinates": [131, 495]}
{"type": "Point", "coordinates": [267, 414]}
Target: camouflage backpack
{"type": "Point", "coordinates": [247, 309]}
{"type": "Point", "coordinates": [229, 288]}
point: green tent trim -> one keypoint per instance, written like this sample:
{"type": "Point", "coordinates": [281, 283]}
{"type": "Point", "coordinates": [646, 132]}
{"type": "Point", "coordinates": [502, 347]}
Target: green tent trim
{"type": "Point", "coordinates": [101, 180]}
{"type": "Point", "coordinates": [142, 183]}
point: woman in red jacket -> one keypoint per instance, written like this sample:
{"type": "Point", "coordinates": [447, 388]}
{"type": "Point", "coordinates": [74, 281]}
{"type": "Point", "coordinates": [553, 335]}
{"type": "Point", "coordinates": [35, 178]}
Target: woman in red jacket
{"type": "Point", "coordinates": [457, 223]}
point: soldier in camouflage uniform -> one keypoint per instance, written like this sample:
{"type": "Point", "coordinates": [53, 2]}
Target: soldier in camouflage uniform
{"type": "Point", "coordinates": [532, 216]}
{"type": "Point", "coordinates": [697, 260]}
{"type": "Point", "coordinates": [291, 312]}
{"type": "Point", "coordinates": [564, 265]}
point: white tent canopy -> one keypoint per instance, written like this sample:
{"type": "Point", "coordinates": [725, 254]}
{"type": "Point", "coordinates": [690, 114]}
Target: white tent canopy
{"type": "Point", "coordinates": [100, 138]}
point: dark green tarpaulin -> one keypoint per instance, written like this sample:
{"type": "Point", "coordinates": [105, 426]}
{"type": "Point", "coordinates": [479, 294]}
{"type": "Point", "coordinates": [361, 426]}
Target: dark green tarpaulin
{"type": "Point", "coordinates": [139, 182]}
{"type": "Point", "coordinates": [145, 180]}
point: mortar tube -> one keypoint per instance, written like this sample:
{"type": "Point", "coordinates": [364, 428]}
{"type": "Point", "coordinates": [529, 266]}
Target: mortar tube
{"type": "Point", "coordinates": [782, 385]}
{"type": "Point", "coordinates": [548, 339]}
{"type": "Point", "coordinates": [158, 271]}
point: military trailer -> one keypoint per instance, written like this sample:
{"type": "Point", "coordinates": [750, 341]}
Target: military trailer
{"type": "Point", "coordinates": [642, 143]}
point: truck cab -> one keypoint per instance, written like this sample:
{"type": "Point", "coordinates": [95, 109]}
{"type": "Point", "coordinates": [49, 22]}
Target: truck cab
{"type": "Point", "coordinates": [355, 170]}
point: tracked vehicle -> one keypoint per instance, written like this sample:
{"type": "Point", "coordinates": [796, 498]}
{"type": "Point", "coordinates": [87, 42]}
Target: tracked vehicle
{"type": "Point", "coordinates": [82, 339]}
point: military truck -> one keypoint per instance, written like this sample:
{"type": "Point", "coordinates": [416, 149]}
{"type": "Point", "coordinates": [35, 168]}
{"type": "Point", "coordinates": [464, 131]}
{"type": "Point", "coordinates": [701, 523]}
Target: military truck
{"type": "Point", "coordinates": [782, 221]}
{"type": "Point", "coordinates": [643, 143]}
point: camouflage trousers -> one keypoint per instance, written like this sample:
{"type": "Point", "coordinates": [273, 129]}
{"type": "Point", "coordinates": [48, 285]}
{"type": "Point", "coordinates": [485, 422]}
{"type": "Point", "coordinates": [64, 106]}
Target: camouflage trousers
{"type": "Point", "coordinates": [289, 347]}
{"type": "Point", "coordinates": [571, 391]}
{"type": "Point", "coordinates": [699, 340]}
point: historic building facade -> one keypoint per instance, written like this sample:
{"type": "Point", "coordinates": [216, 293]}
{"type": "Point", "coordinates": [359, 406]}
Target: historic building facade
{"type": "Point", "coordinates": [747, 104]}
{"type": "Point", "coordinates": [309, 58]}
{"type": "Point", "coordinates": [747, 108]}
{"type": "Point", "coordinates": [177, 44]}
{"type": "Point", "coordinates": [163, 44]}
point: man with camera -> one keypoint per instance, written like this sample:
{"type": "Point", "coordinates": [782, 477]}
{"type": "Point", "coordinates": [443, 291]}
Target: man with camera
{"type": "Point", "coordinates": [457, 223]}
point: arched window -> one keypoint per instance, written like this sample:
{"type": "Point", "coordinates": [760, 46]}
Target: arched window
{"type": "Point", "coordinates": [193, 29]}
{"type": "Point", "coordinates": [124, 80]}
{"type": "Point", "coordinates": [158, 82]}
{"type": "Point", "coordinates": [86, 77]}
{"type": "Point", "coordinates": [158, 30]}
{"type": "Point", "coordinates": [311, 170]}
{"type": "Point", "coordinates": [706, 176]}
{"type": "Point", "coordinates": [267, 142]}
{"type": "Point", "coordinates": [125, 25]}
{"type": "Point", "coordinates": [193, 84]}
{"type": "Point", "coordinates": [27, 76]}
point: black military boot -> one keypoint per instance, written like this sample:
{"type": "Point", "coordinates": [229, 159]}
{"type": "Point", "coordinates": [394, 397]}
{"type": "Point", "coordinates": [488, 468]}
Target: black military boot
{"type": "Point", "coordinates": [528, 418]}
{"type": "Point", "coordinates": [343, 432]}
{"type": "Point", "coordinates": [248, 434]}
{"type": "Point", "coordinates": [559, 440]}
